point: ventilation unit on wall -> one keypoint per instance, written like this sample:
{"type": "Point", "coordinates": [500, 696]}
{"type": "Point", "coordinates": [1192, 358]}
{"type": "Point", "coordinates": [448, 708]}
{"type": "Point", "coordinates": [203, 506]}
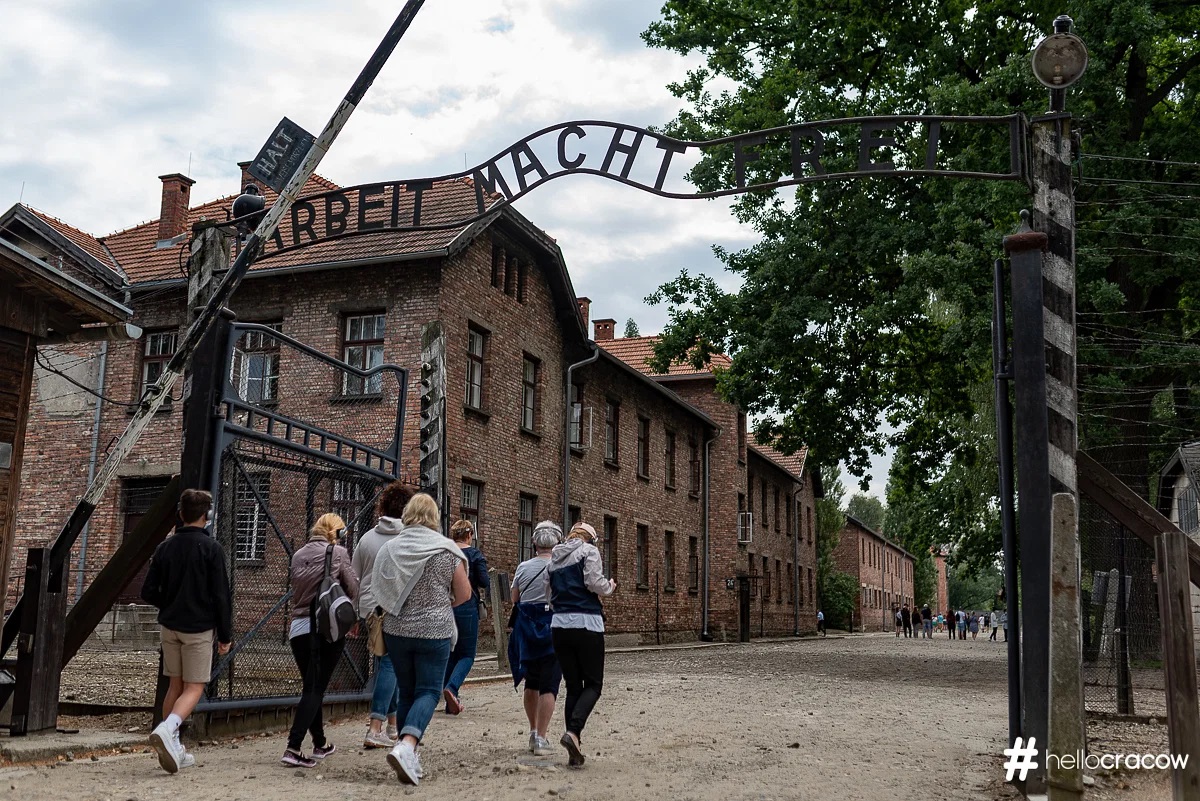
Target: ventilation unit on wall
{"type": "Point", "coordinates": [745, 530]}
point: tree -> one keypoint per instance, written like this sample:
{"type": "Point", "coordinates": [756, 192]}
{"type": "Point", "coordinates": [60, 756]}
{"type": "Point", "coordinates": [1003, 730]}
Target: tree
{"type": "Point", "coordinates": [870, 301]}
{"type": "Point", "coordinates": [974, 589]}
{"type": "Point", "coordinates": [868, 510]}
{"type": "Point", "coordinates": [841, 591]}
{"type": "Point", "coordinates": [924, 579]}
{"type": "Point", "coordinates": [631, 328]}
{"type": "Point", "coordinates": [830, 521]}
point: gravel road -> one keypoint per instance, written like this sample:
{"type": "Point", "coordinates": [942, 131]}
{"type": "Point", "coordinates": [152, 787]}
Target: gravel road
{"type": "Point", "coordinates": [865, 717]}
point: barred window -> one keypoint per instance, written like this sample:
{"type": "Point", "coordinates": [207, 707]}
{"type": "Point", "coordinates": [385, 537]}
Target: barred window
{"type": "Point", "coordinates": [526, 511]}
{"type": "Point", "coordinates": [250, 517]}
{"type": "Point", "coordinates": [529, 393]}
{"type": "Point", "coordinates": [363, 348]}
{"type": "Point", "coordinates": [612, 427]}
{"type": "Point", "coordinates": [693, 564]}
{"type": "Point", "coordinates": [643, 445]}
{"type": "Point", "coordinates": [350, 502]}
{"type": "Point", "coordinates": [470, 501]}
{"type": "Point", "coordinates": [669, 560]}
{"type": "Point", "coordinates": [255, 370]}
{"type": "Point", "coordinates": [643, 555]}
{"type": "Point", "coordinates": [475, 349]}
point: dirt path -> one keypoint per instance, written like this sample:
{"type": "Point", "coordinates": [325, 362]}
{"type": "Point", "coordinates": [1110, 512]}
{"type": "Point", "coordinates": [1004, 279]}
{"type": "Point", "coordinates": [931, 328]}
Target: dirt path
{"type": "Point", "coordinates": [867, 717]}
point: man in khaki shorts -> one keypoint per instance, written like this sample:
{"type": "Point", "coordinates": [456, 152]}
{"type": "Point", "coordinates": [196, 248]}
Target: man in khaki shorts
{"type": "Point", "coordinates": [189, 584]}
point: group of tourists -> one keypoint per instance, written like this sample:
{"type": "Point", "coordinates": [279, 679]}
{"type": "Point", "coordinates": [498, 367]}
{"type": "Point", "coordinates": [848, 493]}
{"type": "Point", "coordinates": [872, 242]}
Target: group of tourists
{"type": "Point", "coordinates": [924, 623]}
{"type": "Point", "coordinates": [415, 594]}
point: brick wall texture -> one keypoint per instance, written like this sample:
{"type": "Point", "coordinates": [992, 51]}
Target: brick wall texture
{"type": "Point", "coordinates": [882, 570]}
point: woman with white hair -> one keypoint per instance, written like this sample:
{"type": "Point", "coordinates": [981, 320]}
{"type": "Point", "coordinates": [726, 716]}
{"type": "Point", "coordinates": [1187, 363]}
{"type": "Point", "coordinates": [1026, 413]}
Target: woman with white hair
{"type": "Point", "coordinates": [531, 647]}
{"type": "Point", "coordinates": [419, 576]}
{"type": "Point", "coordinates": [575, 582]}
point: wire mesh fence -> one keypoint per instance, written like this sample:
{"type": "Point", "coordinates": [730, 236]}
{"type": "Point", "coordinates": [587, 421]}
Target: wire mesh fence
{"type": "Point", "coordinates": [1122, 646]}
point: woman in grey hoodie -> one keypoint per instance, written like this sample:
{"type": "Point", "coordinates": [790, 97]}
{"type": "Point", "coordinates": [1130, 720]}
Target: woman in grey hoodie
{"type": "Point", "coordinates": [574, 583]}
{"type": "Point", "coordinates": [386, 696]}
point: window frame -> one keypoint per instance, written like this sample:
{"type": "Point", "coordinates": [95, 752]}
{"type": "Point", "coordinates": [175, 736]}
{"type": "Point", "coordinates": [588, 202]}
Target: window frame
{"type": "Point", "coordinates": [612, 432]}
{"type": "Point", "coordinates": [243, 351]}
{"type": "Point", "coordinates": [669, 561]}
{"type": "Point", "coordinates": [529, 393]}
{"type": "Point", "coordinates": [694, 483]}
{"type": "Point", "coordinates": [642, 537]}
{"type": "Point", "coordinates": [259, 522]}
{"type": "Point", "coordinates": [160, 358]}
{"type": "Point", "coordinates": [643, 447]}
{"type": "Point", "coordinates": [367, 387]}
{"type": "Point", "coordinates": [525, 525]}
{"type": "Point", "coordinates": [475, 367]}
{"type": "Point", "coordinates": [465, 510]}
{"type": "Point", "coordinates": [575, 400]}
{"type": "Point", "coordinates": [693, 564]}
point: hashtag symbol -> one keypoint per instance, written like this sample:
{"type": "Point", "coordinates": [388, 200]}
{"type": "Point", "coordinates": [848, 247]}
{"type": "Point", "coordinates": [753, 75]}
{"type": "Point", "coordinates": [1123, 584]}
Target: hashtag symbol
{"type": "Point", "coordinates": [1020, 760]}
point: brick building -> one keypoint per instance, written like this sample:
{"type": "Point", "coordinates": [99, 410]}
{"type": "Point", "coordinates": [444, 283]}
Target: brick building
{"type": "Point", "coordinates": [883, 571]}
{"type": "Point", "coordinates": [658, 463]}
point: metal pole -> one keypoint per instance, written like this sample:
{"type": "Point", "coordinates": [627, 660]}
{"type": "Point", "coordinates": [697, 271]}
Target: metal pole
{"type": "Point", "coordinates": [156, 395]}
{"type": "Point", "coordinates": [1124, 694]}
{"type": "Point", "coordinates": [1008, 525]}
{"type": "Point", "coordinates": [566, 500]}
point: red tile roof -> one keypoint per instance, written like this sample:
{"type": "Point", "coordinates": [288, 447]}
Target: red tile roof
{"type": "Point", "coordinates": [81, 239]}
{"type": "Point", "coordinates": [637, 351]}
{"type": "Point", "coordinates": [793, 464]}
{"type": "Point", "coordinates": [134, 248]}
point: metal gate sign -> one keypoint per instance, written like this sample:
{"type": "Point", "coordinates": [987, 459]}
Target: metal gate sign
{"type": "Point", "coordinates": [280, 157]}
{"type": "Point", "coordinates": [906, 145]}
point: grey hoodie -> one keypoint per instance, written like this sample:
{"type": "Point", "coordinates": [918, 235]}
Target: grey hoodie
{"type": "Point", "coordinates": [568, 553]}
{"type": "Point", "coordinates": [364, 559]}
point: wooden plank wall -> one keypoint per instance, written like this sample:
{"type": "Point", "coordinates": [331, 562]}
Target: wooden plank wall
{"type": "Point", "coordinates": [16, 379]}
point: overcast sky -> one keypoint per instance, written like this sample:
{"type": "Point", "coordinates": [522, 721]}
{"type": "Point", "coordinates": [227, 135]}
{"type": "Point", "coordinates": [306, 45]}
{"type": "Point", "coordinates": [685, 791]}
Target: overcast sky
{"type": "Point", "coordinates": [101, 98]}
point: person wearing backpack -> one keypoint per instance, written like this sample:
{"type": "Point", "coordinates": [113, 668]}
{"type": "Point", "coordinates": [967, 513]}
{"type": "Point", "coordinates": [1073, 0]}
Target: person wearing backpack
{"type": "Point", "coordinates": [531, 647]}
{"type": "Point", "coordinates": [419, 577]}
{"type": "Point", "coordinates": [323, 588]}
{"type": "Point", "coordinates": [466, 616]}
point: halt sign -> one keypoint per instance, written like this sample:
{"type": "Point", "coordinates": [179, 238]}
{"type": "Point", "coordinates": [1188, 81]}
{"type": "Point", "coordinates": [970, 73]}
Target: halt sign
{"type": "Point", "coordinates": [280, 157]}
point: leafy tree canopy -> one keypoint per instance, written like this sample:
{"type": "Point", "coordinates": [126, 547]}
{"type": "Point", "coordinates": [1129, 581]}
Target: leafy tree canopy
{"type": "Point", "coordinates": [870, 300]}
{"type": "Point", "coordinates": [631, 328]}
{"type": "Point", "coordinates": [868, 510]}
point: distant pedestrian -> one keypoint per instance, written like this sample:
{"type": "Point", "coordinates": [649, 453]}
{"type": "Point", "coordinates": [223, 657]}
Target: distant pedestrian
{"type": "Point", "coordinates": [821, 622]}
{"type": "Point", "coordinates": [531, 647]}
{"type": "Point", "coordinates": [316, 657]}
{"type": "Point", "coordinates": [950, 623]}
{"type": "Point", "coordinates": [1004, 623]}
{"type": "Point", "coordinates": [961, 621]}
{"type": "Point", "coordinates": [973, 624]}
{"type": "Point", "coordinates": [188, 582]}
{"type": "Point", "coordinates": [385, 696]}
{"type": "Point", "coordinates": [420, 575]}
{"type": "Point", "coordinates": [995, 625]}
{"type": "Point", "coordinates": [466, 616]}
{"type": "Point", "coordinates": [899, 620]}
{"type": "Point", "coordinates": [906, 621]}
{"type": "Point", "coordinates": [576, 582]}
{"type": "Point", "coordinates": [927, 621]}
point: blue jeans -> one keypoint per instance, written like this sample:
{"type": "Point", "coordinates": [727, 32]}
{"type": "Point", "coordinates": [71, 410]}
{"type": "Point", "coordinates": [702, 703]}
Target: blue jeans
{"type": "Point", "coordinates": [466, 618]}
{"type": "Point", "coordinates": [420, 666]}
{"type": "Point", "coordinates": [386, 695]}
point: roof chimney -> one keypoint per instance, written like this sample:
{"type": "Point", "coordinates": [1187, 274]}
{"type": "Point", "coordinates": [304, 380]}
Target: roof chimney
{"type": "Point", "coordinates": [585, 306]}
{"type": "Point", "coordinates": [604, 329]}
{"type": "Point", "coordinates": [247, 178]}
{"type": "Point", "coordinates": [173, 217]}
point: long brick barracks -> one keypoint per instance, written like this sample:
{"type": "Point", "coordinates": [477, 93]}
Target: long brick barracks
{"type": "Point", "coordinates": [512, 324]}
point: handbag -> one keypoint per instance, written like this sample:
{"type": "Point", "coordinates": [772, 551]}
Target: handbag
{"type": "Point", "coordinates": [375, 641]}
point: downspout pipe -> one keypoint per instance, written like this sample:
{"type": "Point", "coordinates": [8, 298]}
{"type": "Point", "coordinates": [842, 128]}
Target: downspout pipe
{"type": "Point", "coordinates": [566, 501]}
{"type": "Point", "coordinates": [705, 634]}
{"type": "Point", "coordinates": [83, 541]}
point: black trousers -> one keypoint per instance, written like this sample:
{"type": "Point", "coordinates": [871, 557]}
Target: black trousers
{"type": "Point", "coordinates": [316, 669]}
{"type": "Point", "coordinates": [581, 655]}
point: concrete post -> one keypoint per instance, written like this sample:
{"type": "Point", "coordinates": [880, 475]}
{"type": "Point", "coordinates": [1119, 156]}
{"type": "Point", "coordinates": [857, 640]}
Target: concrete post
{"type": "Point", "coordinates": [1065, 719]}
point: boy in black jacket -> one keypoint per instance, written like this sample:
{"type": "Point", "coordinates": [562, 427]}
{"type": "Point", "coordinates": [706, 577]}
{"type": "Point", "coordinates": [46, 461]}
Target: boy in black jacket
{"type": "Point", "coordinates": [189, 584]}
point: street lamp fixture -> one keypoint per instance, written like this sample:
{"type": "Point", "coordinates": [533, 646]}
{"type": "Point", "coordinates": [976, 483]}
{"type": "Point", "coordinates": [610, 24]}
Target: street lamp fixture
{"type": "Point", "coordinates": [1060, 59]}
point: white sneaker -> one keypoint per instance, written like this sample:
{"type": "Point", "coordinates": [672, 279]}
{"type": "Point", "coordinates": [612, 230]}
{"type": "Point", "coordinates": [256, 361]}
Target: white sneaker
{"type": "Point", "coordinates": [393, 733]}
{"type": "Point", "coordinates": [377, 739]}
{"type": "Point", "coordinates": [533, 741]}
{"type": "Point", "coordinates": [166, 745]}
{"type": "Point", "coordinates": [187, 760]}
{"type": "Point", "coordinates": [542, 748]}
{"type": "Point", "coordinates": [403, 760]}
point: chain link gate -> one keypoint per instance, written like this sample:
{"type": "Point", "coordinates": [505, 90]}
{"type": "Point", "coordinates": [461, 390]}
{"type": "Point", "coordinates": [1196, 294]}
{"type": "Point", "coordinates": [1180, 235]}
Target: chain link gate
{"type": "Point", "coordinates": [277, 472]}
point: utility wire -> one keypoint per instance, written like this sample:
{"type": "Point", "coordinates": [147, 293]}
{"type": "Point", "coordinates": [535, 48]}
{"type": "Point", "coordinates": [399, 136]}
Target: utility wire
{"type": "Point", "coordinates": [51, 369]}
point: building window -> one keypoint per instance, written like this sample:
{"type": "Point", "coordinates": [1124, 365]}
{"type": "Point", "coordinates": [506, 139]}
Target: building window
{"type": "Point", "coordinates": [863, 548]}
{"type": "Point", "coordinates": [612, 427]}
{"type": "Point", "coordinates": [778, 582]}
{"type": "Point", "coordinates": [766, 574]}
{"type": "Point", "coordinates": [741, 502]}
{"type": "Point", "coordinates": [775, 514]}
{"type": "Point", "coordinates": [350, 502]}
{"type": "Point", "coordinates": [694, 466]}
{"type": "Point", "coordinates": [669, 462]}
{"type": "Point", "coordinates": [610, 547]}
{"type": "Point", "coordinates": [762, 485]}
{"type": "Point", "coordinates": [576, 415]}
{"type": "Point", "coordinates": [255, 370]}
{"type": "Point", "coordinates": [250, 516]}
{"type": "Point", "coordinates": [810, 589]}
{"type": "Point", "coordinates": [574, 515]}
{"type": "Point", "coordinates": [643, 555]}
{"type": "Point", "coordinates": [363, 349]}
{"type": "Point", "coordinates": [750, 493]}
{"type": "Point", "coordinates": [526, 511]}
{"type": "Point", "coordinates": [470, 501]}
{"type": "Point", "coordinates": [1188, 517]}
{"type": "Point", "coordinates": [791, 531]}
{"type": "Point", "coordinates": [669, 560]}
{"type": "Point", "coordinates": [808, 514]}
{"type": "Point", "coordinates": [497, 266]}
{"type": "Point", "coordinates": [475, 349]}
{"type": "Point", "coordinates": [791, 578]}
{"type": "Point", "coordinates": [643, 447]}
{"type": "Point", "coordinates": [800, 580]}
{"type": "Point", "coordinates": [529, 394]}
{"type": "Point", "coordinates": [693, 564]}
{"type": "Point", "coordinates": [158, 350]}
